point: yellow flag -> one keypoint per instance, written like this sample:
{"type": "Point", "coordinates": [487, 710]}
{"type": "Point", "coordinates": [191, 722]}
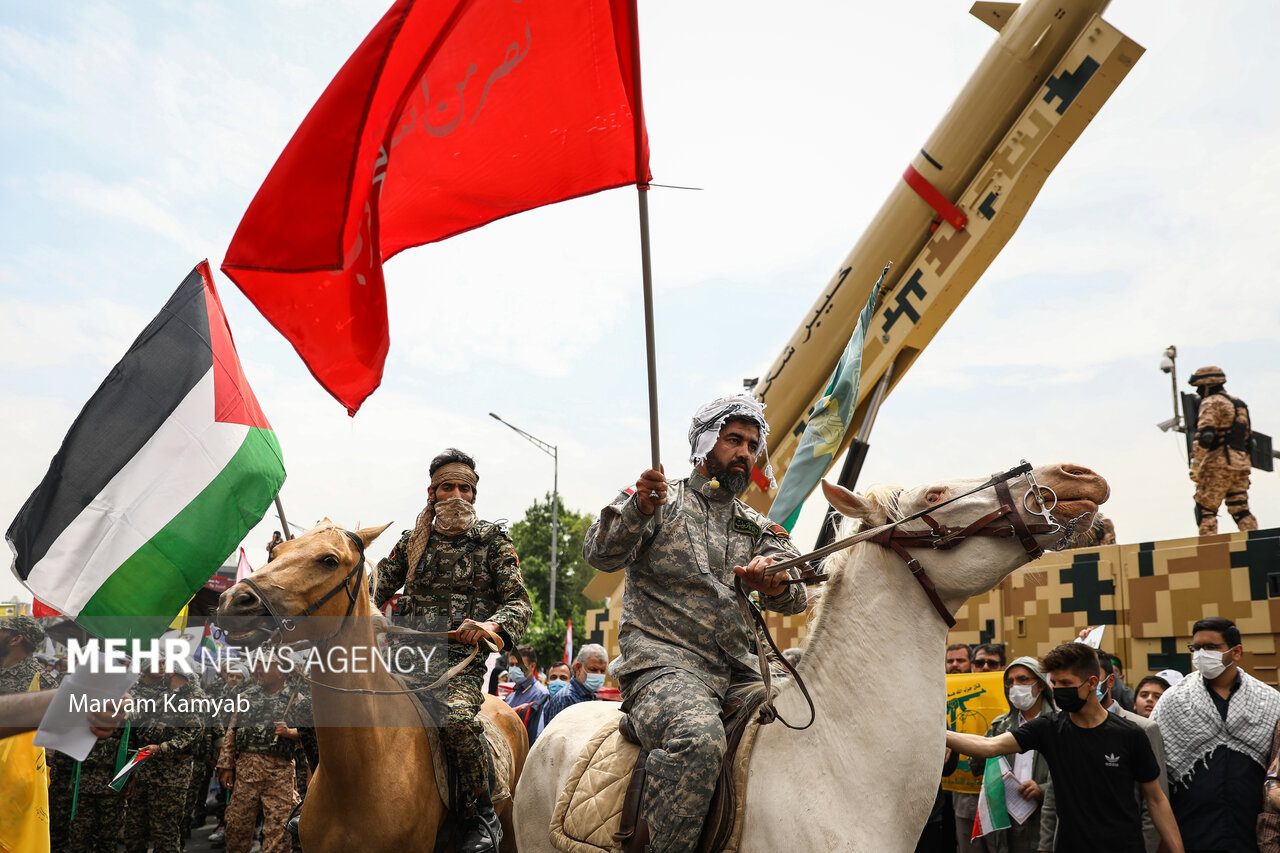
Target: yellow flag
{"type": "Point", "coordinates": [24, 793]}
{"type": "Point", "coordinates": [974, 700]}
{"type": "Point", "coordinates": [179, 622]}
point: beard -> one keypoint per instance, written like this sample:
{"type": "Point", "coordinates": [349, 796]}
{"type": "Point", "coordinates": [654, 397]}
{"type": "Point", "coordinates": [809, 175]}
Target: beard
{"type": "Point", "coordinates": [735, 480]}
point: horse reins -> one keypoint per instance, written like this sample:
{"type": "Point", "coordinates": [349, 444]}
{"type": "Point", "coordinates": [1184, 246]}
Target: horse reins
{"type": "Point", "coordinates": [357, 571]}
{"type": "Point", "coordinates": [938, 536]}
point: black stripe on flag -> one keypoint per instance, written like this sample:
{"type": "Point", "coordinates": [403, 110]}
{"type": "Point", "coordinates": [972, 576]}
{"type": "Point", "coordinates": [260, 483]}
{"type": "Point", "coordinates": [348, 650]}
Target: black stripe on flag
{"type": "Point", "coordinates": [139, 394]}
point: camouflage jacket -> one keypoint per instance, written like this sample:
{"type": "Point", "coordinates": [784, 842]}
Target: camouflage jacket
{"type": "Point", "coordinates": [100, 766]}
{"type": "Point", "coordinates": [173, 720]}
{"type": "Point", "coordinates": [17, 678]}
{"type": "Point", "coordinates": [255, 730]}
{"type": "Point", "coordinates": [679, 609]}
{"type": "Point", "coordinates": [1218, 412]}
{"type": "Point", "coordinates": [475, 575]}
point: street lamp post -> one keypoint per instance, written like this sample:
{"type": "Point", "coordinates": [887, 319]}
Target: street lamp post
{"type": "Point", "coordinates": [554, 452]}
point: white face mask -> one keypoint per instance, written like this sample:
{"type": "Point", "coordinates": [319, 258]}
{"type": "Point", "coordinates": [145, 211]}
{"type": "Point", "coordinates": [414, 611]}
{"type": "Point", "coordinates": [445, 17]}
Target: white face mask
{"type": "Point", "coordinates": [1208, 663]}
{"type": "Point", "coordinates": [1022, 696]}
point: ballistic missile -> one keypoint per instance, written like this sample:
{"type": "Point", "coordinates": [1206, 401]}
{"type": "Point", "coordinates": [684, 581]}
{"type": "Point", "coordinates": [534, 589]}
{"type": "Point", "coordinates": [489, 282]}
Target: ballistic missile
{"type": "Point", "coordinates": [1053, 65]}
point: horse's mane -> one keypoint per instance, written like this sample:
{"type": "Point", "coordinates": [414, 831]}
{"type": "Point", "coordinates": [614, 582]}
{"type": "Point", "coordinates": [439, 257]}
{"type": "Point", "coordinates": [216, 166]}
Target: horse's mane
{"type": "Point", "coordinates": [885, 497]}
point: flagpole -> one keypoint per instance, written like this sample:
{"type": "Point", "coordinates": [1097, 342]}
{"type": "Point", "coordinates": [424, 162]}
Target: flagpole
{"type": "Point", "coordinates": [855, 455]}
{"type": "Point", "coordinates": [646, 269]}
{"type": "Point", "coordinates": [288, 534]}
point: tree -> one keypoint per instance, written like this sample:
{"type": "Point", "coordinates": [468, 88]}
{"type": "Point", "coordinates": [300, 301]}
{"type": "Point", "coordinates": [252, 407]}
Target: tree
{"type": "Point", "coordinates": [532, 537]}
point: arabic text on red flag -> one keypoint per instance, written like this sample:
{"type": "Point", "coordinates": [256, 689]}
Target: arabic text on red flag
{"type": "Point", "coordinates": [448, 116]}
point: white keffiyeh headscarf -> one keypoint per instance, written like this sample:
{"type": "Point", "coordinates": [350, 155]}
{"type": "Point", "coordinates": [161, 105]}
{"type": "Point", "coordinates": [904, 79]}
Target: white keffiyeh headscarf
{"type": "Point", "coordinates": [1192, 727]}
{"type": "Point", "coordinates": [711, 418]}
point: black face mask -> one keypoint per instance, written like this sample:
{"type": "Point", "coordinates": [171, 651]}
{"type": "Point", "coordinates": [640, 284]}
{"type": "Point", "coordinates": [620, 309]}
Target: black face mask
{"type": "Point", "coordinates": [1068, 699]}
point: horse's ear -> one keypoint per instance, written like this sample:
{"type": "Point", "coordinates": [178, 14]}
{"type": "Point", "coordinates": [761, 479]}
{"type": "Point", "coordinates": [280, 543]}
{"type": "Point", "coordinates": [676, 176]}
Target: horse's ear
{"type": "Point", "coordinates": [854, 506]}
{"type": "Point", "coordinates": [368, 534]}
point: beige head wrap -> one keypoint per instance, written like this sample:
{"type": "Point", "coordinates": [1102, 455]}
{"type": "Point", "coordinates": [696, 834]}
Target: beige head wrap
{"type": "Point", "coordinates": [454, 472]}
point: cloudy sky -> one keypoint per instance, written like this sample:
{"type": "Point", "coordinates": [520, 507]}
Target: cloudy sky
{"type": "Point", "coordinates": [135, 134]}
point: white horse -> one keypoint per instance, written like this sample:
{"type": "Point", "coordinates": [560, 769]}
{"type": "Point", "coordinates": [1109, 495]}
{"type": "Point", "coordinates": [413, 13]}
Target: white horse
{"type": "Point", "coordinates": [863, 777]}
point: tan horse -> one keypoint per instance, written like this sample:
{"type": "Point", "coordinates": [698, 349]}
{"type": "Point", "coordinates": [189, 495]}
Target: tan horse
{"type": "Point", "coordinates": [375, 789]}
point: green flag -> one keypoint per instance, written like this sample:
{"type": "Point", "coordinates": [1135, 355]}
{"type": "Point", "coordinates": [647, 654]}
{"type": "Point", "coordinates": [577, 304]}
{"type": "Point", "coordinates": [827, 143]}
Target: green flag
{"type": "Point", "coordinates": [827, 424]}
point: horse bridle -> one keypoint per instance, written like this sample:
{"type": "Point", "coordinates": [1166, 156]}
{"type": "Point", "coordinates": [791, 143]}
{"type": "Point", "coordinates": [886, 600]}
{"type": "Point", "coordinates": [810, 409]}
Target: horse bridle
{"type": "Point", "coordinates": [357, 571]}
{"type": "Point", "coordinates": [938, 536]}
{"type": "Point", "coordinates": [1004, 521]}
{"type": "Point", "coordinates": [942, 537]}
{"type": "Point", "coordinates": [291, 623]}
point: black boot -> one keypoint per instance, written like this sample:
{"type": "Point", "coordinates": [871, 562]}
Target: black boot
{"type": "Point", "coordinates": [291, 825]}
{"type": "Point", "coordinates": [482, 833]}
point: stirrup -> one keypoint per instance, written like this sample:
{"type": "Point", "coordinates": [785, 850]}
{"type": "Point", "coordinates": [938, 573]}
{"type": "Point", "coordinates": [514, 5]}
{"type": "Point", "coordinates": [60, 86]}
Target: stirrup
{"type": "Point", "coordinates": [483, 833]}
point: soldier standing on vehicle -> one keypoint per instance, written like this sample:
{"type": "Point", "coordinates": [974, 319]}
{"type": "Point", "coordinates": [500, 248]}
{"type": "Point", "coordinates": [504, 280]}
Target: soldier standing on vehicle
{"type": "Point", "coordinates": [1220, 456]}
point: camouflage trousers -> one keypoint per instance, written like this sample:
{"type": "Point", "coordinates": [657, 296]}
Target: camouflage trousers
{"type": "Point", "coordinates": [1214, 483]}
{"type": "Point", "coordinates": [156, 805]}
{"type": "Point", "coordinates": [62, 769]}
{"type": "Point", "coordinates": [266, 782]}
{"type": "Point", "coordinates": [463, 739]}
{"type": "Point", "coordinates": [96, 828]}
{"type": "Point", "coordinates": [678, 720]}
{"type": "Point", "coordinates": [462, 733]}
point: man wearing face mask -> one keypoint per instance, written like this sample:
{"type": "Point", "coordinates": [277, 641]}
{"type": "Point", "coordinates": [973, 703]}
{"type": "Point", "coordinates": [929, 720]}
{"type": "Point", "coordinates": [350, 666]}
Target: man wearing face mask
{"type": "Point", "coordinates": [1217, 724]}
{"type": "Point", "coordinates": [1094, 758]}
{"type": "Point", "coordinates": [1106, 697]}
{"type": "Point", "coordinates": [685, 642]}
{"type": "Point", "coordinates": [588, 676]}
{"type": "Point", "coordinates": [456, 568]}
{"type": "Point", "coordinates": [1029, 697]}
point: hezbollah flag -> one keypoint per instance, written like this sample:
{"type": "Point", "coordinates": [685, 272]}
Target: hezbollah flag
{"type": "Point", "coordinates": [164, 472]}
{"type": "Point", "coordinates": [828, 422]}
{"type": "Point", "coordinates": [24, 792]}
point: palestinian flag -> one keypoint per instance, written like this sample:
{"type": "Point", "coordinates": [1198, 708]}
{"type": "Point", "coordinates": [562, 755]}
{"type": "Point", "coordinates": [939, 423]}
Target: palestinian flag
{"type": "Point", "coordinates": [164, 472]}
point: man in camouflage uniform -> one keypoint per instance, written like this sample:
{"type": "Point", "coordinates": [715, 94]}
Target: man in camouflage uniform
{"type": "Point", "coordinates": [99, 809]}
{"type": "Point", "coordinates": [158, 789]}
{"type": "Point", "coordinates": [257, 760]}
{"type": "Point", "coordinates": [19, 638]}
{"type": "Point", "coordinates": [455, 568]}
{"type": "Point", "coordinates": [1220, 457]}
{"type": "Point", "coordinates": [203, 764]}
{"type": "Point", "coordinates": [684, 640]}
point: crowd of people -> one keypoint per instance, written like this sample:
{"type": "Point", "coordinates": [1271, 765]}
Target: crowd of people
{"type": "Point", "coordinates": [1179, 763]}
{"type": "Point", "coordinates": [262, 757]}
{"type": "Point", "coordinates": [1182, 762]}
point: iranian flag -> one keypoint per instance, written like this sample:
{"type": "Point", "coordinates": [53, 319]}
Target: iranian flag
{"type": "Point", "coordinates": [992, 814]}
{"type": "Point", "coordinates": [163, 473]}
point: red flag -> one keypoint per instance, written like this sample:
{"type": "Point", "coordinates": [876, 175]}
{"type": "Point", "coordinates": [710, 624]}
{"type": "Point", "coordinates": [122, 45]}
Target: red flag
{"type": "Point", "coordinates": [448, 116]}
{"type": "Point", "coordinates": [568, 642]}
{"type": "Point", "coordinates": [39, 609]}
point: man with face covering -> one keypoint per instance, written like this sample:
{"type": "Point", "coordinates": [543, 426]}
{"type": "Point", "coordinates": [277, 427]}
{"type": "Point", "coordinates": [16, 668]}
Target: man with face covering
{"type": "Point", "coordinates": [1217, 724]}
{"type": "Point", "coordinates": [1094, 758]}
{"type": "Point", "coordinates": [1029, 697]}
{"type": "Point", "coordinates": [684, 640]}
{"type": "Point", "coordinates": [454, 567]}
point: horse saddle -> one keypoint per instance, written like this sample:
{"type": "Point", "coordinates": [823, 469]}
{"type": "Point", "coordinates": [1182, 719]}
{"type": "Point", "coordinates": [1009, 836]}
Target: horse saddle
{"type": "Point", "coordinates": [497, 749]}
{"type": "Point", "coordinates": [600, 807]}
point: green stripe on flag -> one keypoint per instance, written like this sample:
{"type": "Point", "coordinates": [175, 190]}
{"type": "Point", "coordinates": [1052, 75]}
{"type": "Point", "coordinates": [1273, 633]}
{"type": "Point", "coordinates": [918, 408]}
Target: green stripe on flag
{"type": "Point", "coordinates": [141, 597]}
{"type": "Point", "coordinates": [993, 813]}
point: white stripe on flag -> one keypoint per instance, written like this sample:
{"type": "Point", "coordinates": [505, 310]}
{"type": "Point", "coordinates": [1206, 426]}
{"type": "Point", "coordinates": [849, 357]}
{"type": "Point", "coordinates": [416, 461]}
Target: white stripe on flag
{"type": "Point", "coordinates": [168, 473]}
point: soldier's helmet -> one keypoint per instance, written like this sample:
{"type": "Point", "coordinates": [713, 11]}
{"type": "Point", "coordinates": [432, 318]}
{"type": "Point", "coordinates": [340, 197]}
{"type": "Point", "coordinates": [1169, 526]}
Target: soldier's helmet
{"type": "Point", "coordinates": [25, 627]}
{"type": "Point", "coordinates": [1211, 375]}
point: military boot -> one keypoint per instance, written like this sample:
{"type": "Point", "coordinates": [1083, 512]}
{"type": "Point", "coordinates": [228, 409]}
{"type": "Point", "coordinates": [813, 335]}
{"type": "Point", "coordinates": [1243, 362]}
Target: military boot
{"type": "Point", "coordinates": [291, 825]}
{"type": "Point", "coordinates": [482, 833]}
